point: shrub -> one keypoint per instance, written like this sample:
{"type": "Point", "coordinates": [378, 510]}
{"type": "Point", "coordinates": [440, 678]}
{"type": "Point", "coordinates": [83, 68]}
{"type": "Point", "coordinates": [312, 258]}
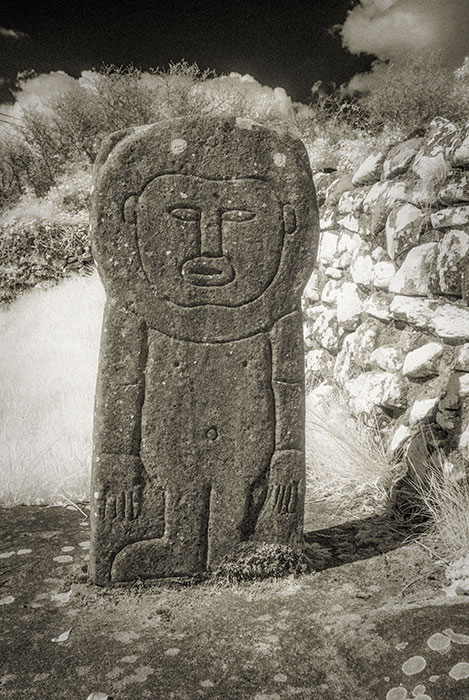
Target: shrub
{"type": "Point", "coordinates": [413, 92]}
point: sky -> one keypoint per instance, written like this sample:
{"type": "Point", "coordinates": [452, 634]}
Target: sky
{"type": "Point", "coordinates": [287, 43]}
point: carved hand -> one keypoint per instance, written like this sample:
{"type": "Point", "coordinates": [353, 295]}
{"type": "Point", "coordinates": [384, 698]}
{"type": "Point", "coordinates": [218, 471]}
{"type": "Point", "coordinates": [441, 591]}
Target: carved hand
{"type": "Point", "coordinates": [120, 490]}
{"type": "Point", "coordinates": [286, 473]}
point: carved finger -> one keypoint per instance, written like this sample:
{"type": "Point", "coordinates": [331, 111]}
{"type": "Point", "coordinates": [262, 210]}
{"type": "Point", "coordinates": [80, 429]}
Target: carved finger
{"type": "Point", "coordinates": [110, 508]}
{"type": "Point", "coordinates": [137, 500]}
{"type": "Point", "coordinates": [128, 505]}
{"type": "Point", "coordinates": [120, 505]}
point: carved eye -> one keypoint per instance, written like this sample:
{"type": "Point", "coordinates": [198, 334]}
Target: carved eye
{"type": "Point", "coordinates": [238, 215]}
{"type": "Point", "coordinates": [185, 213]}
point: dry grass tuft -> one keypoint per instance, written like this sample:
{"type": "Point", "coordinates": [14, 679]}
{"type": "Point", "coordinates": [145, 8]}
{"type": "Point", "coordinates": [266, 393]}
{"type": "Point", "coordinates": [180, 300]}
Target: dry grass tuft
{"type": "Point", "coordinates": [444, 493]}
{"type": "Point", "coordinates": [346, 460]}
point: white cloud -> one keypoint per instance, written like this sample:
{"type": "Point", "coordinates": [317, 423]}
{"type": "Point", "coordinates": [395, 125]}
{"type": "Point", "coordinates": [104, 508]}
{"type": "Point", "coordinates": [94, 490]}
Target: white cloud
{"type": "Point", "coordinates": [11, 34]}
{"type": "Point", "coordinates": [390, 29]}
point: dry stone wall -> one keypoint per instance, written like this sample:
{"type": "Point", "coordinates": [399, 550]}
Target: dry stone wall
{"type": "Point", "coordinates": [386, 312]}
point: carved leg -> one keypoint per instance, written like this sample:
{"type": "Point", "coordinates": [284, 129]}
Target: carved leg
{"type": "Point", "coordinates": [182, 550]}
{"type": "Point", "coordinates": [228, 506]}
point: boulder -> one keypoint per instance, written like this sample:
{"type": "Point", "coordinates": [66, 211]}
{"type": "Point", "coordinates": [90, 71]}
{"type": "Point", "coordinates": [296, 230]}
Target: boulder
{"type": "Point", "coordinates": [461, 148]}
{"type": "Point", "coordinates": [424, 361]}
{"type": "Point", "coordinates": [355, 353]}
{"type": "Point", "coordinates": [310, 292]}
{"type": "Point", "coordinates": [449, 264]}
{"type": "Point", "coordinates": [451, 217]}
{"type": "Point", "coordinates": [400, 157]}
{"type": "Point", "coordinates": [377, 305]}
{"type": "Point", "coordinates": [387, 358]}
{"type": "Point", "coordinates": [383, 273]}
{"type": "Point", "coordinates": [370, 170]}
{"type": "Point", "coordinates": [413, 277]}
{"type": "Point", "coordinates": [462, 358]}
{"type": "Point", "coordinates": [371, 389]}
{"type": "Point", "coordinates": [318, 362]}
{"type": "Point", "coordinates": [362, 269]}
{"type": "Point", "coordinates": [384, 194]}
{"type": "Point", "coordinates": [455, 189]}
{"type": "Point", "coordinates": [422, 410]}
{"type": "Point", "coordinates": [352, 201]}
{"type": "Point", "coordinates": [400, 437]}
{"type": "Point", "coordinates": [330, 292]}
{"type": "Point", "coordinates": [327, 331]}
{"type": "Point", "coordinates": [349, 306]}
{"type": "Point", "coordinates": [328, 242]}
{"type": "Point", "coordinates": [403, 228]}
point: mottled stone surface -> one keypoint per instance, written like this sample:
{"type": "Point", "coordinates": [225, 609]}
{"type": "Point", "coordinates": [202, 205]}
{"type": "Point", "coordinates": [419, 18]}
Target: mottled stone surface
{"type": "Point", "coordinates": [205, 234]}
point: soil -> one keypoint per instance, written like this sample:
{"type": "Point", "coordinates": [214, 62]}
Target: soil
{"type": "Point", "coordinates": [360, 625]}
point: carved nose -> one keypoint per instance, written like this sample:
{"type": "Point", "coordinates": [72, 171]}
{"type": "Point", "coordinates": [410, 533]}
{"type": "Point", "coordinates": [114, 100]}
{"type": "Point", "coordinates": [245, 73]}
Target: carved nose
{"type": "Point", "coordinates": [210, 237]}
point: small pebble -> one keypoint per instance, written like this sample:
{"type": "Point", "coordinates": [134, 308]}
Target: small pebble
{"type": "Point", "coordinates": [414, 665]}
{"type": "Point", "coordinates": [24, 551]}
{"type": "Point", "coordinates": [280, 678]}
{"type": "Point", "coordinates": [172, 652]}
{"type": "Point", "coordinates": [67, 548]}
{"type": "Point", "coordinates": [85, 544]}
{"type": "Point", "coordinates": [207, 684]}
{"type": "Point", "coordinates": [6, 555]}
{"type": "Point", "coordinates": [6, 600]}
{"type": "Point", "coordinates": [63, 558]}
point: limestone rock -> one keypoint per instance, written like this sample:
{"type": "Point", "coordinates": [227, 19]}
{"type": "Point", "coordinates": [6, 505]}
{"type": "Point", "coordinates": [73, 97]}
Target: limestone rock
{"type": "Point", "coordinates": [387, 358]}
{"type": "Point", "coordinates": [451, 322]}
{"type": "Point", "coordinates": [355, 352]}
{"type": "Point", "coordinates": [455, 189]}
{"type": "Point", "coordinates": [462, 358]}
{"type": "Point", "coordinates": [377, 305]}
{"type": "Point", "coordinates": [351, 202]}
{"type": "Point", "coordinates": [362, 269]}
{"type": "Point", "coordinates": [400, 157]}
{"type": "Point", "coordinates": [451, 217]}
{"type": "Point", "coordinates": [464, 439]}
{"type": "Point", "coordinates": [431, 169]}
{"type": "Point", "coordinates": [413, 277]}
{"type": "Point", "coordinates": [450, 263]}
{"type": "Point", "coordinates": [327, 219]}
{"type": "Point", "coordinates": [370, 170]}
{"type": "Point", "coordinates": [371, 389]}
{"type": "Point", "coordinates": [349, 243]}
{"type": "Point", "coordinates": [327, 331]}
{"type": "Point", "coordinates": [461, 150]}
{"type": "Point", "coordinates": [318, 362]}
{"type": "Point", "coordinates": [349, 306]}
{"type": "Point", "coordinates": [310, 292]}
{"type": "Point", "coordinates": [423, 410]}
{"type": "Point", "coordinates": [352, 223]}
{"type": "Point", "coordinates": [335, 273]}
{"type": "Point", "coordinates": [403, 228]}
{"type": "Point", "coordinates": [330, 292]}
{"type": "Point", "coordinates": [424, 361]}
{"type": "Point", "coordinates": [440, 139]}
{"type": "Point", "coordinates": [414, 310]}
{"type": "Point", "coordinates": [328, 242]}
{"type": "Point", "coordinates": [401, 436]}
{"type": "Point", "coordinates": [384, 194]}
{"type": "Point", "coordinates": [383, 273]}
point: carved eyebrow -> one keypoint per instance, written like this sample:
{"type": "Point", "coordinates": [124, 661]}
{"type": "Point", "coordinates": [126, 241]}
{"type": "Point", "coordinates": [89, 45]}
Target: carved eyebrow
{"type": "Point", "coordinates": [184, 213]}
{"type": "Point", "coordinates": [238, 214]}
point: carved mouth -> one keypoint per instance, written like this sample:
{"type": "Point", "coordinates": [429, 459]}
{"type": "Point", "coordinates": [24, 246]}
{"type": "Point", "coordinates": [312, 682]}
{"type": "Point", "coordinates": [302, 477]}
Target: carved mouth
{"type": "Point", "coordinates": [208, 272]}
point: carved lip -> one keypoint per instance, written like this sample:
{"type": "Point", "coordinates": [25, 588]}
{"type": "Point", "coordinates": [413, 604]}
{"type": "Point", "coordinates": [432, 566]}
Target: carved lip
{"type": "Point", "coordinates": [208, 272]}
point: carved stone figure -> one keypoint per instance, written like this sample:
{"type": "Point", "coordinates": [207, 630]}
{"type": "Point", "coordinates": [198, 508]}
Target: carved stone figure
{"type": "Point", "coordinates": [205, 234]}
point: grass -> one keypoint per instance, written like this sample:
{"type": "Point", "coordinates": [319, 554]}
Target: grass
{"type": "Point", "coordinates": [49, 341]}
{"type": "Point", "coordinates": [444, 493]}
{"type": "Point", "coordinates": [346, 460]}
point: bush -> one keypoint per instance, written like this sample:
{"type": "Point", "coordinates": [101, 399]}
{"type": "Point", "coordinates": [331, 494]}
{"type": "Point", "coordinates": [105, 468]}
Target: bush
{"type": "Point", "coordinates": [415, 91]}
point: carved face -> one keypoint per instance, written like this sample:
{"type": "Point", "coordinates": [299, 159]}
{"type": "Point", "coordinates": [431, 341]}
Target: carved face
{"type": "Point", "coordinates": [209, 241]}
